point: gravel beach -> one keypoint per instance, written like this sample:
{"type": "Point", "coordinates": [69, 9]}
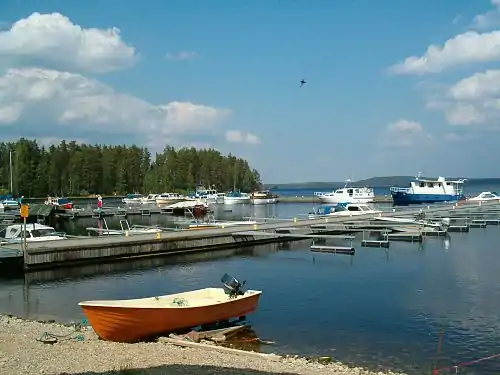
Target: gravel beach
{"type": "Point", "coordinates": [21, 353]}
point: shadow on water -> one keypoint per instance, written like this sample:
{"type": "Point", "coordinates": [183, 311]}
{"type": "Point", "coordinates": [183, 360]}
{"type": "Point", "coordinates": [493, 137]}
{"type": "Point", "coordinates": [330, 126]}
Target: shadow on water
{"type": "Point", "coordinates": [181, 370]}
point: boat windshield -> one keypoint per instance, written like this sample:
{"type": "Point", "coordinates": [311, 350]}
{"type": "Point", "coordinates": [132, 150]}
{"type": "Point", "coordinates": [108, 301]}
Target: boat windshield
{"type": "Point", "coordinates": [42, 232]}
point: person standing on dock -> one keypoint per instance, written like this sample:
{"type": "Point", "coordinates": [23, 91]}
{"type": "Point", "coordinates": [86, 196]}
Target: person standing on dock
{"type": "Point", "coordinates": [99, 202]}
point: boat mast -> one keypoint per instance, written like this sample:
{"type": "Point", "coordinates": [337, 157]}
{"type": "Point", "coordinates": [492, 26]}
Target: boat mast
{"type": "Point", "coordinates": [11, 179]}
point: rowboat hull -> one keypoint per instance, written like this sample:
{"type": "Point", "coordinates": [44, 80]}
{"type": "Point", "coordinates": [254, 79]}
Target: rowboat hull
{"type": "Point", "coordinates": [129, 321]}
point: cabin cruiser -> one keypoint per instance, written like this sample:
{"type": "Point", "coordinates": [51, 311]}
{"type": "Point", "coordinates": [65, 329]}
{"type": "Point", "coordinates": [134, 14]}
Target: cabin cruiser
{"type": "Point", "coordinates": [149, 199]}
{"type": "Point", "coordinates": [428, 191]}
{"type": "Point", "coordinates": [343, 209]}
{"type": "Point", "coordinates": [347, 195]}
{"type": "Point", "coordinates": [34, 233]}
{"type": "Point", "coordinates": [485, 196]}
{"type": "Point", "coordinates": [133, 199]}
{"type": "Point", "coordinates": [208, 196]}
{"type": "Point", "coordinates": [170, 198]}
{"type": "Point", "coordinates": [237, 197]}
{"type": "Point", "coordinates": [263, 197]}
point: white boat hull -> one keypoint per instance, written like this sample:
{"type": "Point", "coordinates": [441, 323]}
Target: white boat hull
{"type": "Point", "coordinates": [236, 200]}
{"type": "Point", "coordinates": [264, 200]}
{"type": "Point", "coordinates": [164, 201]}
{"type": "Point", "coordinates": [131, 201]}
{"type": "Point", "coordinates": [334, 199]}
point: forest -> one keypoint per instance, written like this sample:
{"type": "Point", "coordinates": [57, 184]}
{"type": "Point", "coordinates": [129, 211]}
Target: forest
{"type": "Point", "coordinates": [72, 169]}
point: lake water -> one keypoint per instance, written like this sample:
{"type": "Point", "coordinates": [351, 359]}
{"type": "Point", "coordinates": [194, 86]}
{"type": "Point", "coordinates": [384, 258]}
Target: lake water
{"type": "Point", "coordinates": [378, 308]}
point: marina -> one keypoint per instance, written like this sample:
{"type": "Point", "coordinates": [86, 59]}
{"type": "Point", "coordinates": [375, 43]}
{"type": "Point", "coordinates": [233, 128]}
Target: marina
{"type": "Point", "coordinates": [377, 228]}
{"type": "Point", "coordinates": [413, 283]}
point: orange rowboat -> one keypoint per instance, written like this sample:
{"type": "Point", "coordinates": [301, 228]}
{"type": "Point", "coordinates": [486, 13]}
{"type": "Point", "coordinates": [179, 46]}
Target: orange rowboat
{"type": "Point", "coordinates": [133, 320]}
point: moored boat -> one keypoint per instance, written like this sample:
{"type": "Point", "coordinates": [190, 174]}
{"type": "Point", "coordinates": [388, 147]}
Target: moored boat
{"type": "Point", "coordinates": [170, 198]}
{"type": "Point", "coordinates": [35, 232]}
{"type": "Point", "coordinates": [485, 196]}
{"type": "Point", "coordinates": [343, 209]}
{"type": "Point", "coordinates": [348, 194]}
{"type": "Point", "coordinates": [263, 197]}
{"type": "Point", "coordinates": [134, 320]}
{"type": "Point", "coordinates": [57, 202]}
{"type": "Point", "coordinates": [236, 197]}
{"type": "Point", "coordinates": [429, 191]}
{"type": "Point", "coordinates": [133, 199]}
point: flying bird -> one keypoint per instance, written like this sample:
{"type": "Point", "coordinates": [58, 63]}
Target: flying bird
{"type": "Point", "coordinates": [302, 83]}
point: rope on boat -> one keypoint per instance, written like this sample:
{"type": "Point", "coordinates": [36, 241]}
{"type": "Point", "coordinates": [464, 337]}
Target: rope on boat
{"type": "Point", "coordinates": [52, 338]}
{"type": "Point", "coordinates": [463, 364]}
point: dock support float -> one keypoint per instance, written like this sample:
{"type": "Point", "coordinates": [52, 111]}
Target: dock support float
{"type": "Point", "coordinates": [375, 243]}
{"type": "Point", "coordinates": [333, 249]}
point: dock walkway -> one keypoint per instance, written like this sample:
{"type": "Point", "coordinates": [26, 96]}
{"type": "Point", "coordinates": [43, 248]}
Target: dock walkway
{"type": "Point", "coordinates": [50, 254]}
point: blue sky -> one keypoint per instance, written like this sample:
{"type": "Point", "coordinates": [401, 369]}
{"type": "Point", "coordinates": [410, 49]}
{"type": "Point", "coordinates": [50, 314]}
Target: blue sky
{"type": "Point", "coordinates": [225, 74]}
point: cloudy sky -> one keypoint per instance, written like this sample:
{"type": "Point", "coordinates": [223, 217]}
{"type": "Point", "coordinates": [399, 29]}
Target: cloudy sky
{"type": "Point", "coordinates": [392, 87]}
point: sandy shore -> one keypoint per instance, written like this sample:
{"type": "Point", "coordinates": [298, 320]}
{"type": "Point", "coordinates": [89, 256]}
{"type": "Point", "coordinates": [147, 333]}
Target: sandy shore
{"type": "Point", "coordinates": [21, 353]}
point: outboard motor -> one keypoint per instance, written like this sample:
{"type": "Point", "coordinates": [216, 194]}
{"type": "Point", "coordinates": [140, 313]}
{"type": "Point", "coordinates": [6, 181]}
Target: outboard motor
{"type": "Point", "coordinates": [232, 287]}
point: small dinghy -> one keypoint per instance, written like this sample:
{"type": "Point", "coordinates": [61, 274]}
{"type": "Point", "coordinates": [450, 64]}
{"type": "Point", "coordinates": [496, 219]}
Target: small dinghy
{"type": "Point", "coordinates": [134, 320]}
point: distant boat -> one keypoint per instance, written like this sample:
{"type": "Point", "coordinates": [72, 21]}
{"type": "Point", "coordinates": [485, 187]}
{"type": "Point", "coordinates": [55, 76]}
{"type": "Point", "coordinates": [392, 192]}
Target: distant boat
{"type": "Point", "coordinates": [134, 320]}
{"type": "Point", "coordinates": [485, 196]}
{"type": "Point", "coordinates": [237, 197]}
{"type": "Point", "coordinates": [263, 197]}
{"type": "Point", "coordinates": [347, 195]}
{"type": "Point", "coordinates": [343, 209]}
{"type": "Point", "coordinates": [428, 191]}
{"type": "Point", "coordinates": [63, 203]}
{"type": "Point", "coordinates": [133, 199]}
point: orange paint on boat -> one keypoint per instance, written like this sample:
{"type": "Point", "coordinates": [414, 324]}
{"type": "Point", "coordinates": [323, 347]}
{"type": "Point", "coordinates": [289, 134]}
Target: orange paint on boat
{"type": "Point", "coordinates": [135, 320]}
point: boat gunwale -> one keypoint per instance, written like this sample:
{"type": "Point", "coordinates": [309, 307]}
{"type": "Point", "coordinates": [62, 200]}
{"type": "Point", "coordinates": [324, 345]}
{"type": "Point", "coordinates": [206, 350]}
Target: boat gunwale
{"type": "Point", "coordinates": [102, 303]}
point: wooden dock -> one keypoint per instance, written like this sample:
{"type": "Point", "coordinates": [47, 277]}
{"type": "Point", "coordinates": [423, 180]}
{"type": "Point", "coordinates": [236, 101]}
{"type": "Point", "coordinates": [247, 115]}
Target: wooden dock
{"type": "Point", "coordinates": [49, 255]}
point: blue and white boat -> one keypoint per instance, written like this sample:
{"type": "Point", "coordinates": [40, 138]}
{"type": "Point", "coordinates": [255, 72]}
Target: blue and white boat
{"type": "Point", "coordinates": [428, 191]}
{"type": "Point", "coordinates": [237, 197]}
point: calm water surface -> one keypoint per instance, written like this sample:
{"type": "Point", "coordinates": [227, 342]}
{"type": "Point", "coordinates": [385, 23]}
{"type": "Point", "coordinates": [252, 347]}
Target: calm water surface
{"type": "Point", "coordinates": [379, 308]}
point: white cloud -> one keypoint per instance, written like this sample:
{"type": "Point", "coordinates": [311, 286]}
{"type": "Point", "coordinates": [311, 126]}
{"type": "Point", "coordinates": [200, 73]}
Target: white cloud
{"type": "Point", "coordinates": [54, 40]}
{"type": "Point", "coordinates": [404, 133]}
{"type": "Point", "coordinates": [488, 20]}
{"type": "Point", "coordinates": [466, 48]}
{"type": "Point", "coordinates": [455, 137]}
{"type": "Point", "coordinates": [472, 100]}
{"type": "Point", "coordinates": [237, 136]}
{"type": "Point", "coordinates": [62, 100]}
{"type": "Point", "coordinates": [182, 56]}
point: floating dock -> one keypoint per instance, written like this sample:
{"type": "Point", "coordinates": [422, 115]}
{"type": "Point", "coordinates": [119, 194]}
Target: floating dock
{"type": "Point", "coordinates": [92, 250]}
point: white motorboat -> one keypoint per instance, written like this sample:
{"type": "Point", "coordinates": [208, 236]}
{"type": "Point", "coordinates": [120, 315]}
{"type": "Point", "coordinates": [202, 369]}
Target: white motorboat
{"type": "Point", "coordinates": [10, 204]}
{"type": "Point", "coordinates": [263, 197]}
{"type": "Point", "coordinates": [208, 196]}
{"type": "Point", "coordinates": [132, 199]}
{"type": "Point", "coordinates": [170, 198]}
{"type": "Point", "coordinates": [343, 209]}
{"type": "Point", "coordinates": [347, 195]}
{"type": "Point", "coordinates": [149, 199]}
{"type": "Point", "coordinates": [126, 230]}
{"type": "Point", "coordinates": [438, 225]}
{"type": "Point", "coordinates": [485, 196]}
{"type": "Point", "coordinates": [34, 233]}
{"type": "Point", "coordinates": [237, 197]}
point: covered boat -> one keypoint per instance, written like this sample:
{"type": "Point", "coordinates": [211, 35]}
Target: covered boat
{"type": "Point", "coordinates": [134, 320]}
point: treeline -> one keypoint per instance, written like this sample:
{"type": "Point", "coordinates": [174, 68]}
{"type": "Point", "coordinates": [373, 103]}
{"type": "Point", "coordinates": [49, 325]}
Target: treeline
{"type": "Point", "coordinates": [73, 169]}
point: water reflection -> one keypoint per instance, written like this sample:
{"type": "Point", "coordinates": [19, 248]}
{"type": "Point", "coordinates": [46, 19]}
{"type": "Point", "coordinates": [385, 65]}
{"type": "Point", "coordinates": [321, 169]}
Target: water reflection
{"type": "Point", "coordinates": [381, 307]}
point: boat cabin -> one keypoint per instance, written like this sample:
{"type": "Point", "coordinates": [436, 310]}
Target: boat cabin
{"type": "Point", "coordinates": [439, 187]}
{"type": "Point", "coordinates": [34, 232]}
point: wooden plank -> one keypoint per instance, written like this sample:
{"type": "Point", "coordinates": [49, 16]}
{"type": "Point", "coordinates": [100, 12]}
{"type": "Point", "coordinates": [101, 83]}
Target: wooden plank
{"type": "Point", "coordinates": [221, 349]}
